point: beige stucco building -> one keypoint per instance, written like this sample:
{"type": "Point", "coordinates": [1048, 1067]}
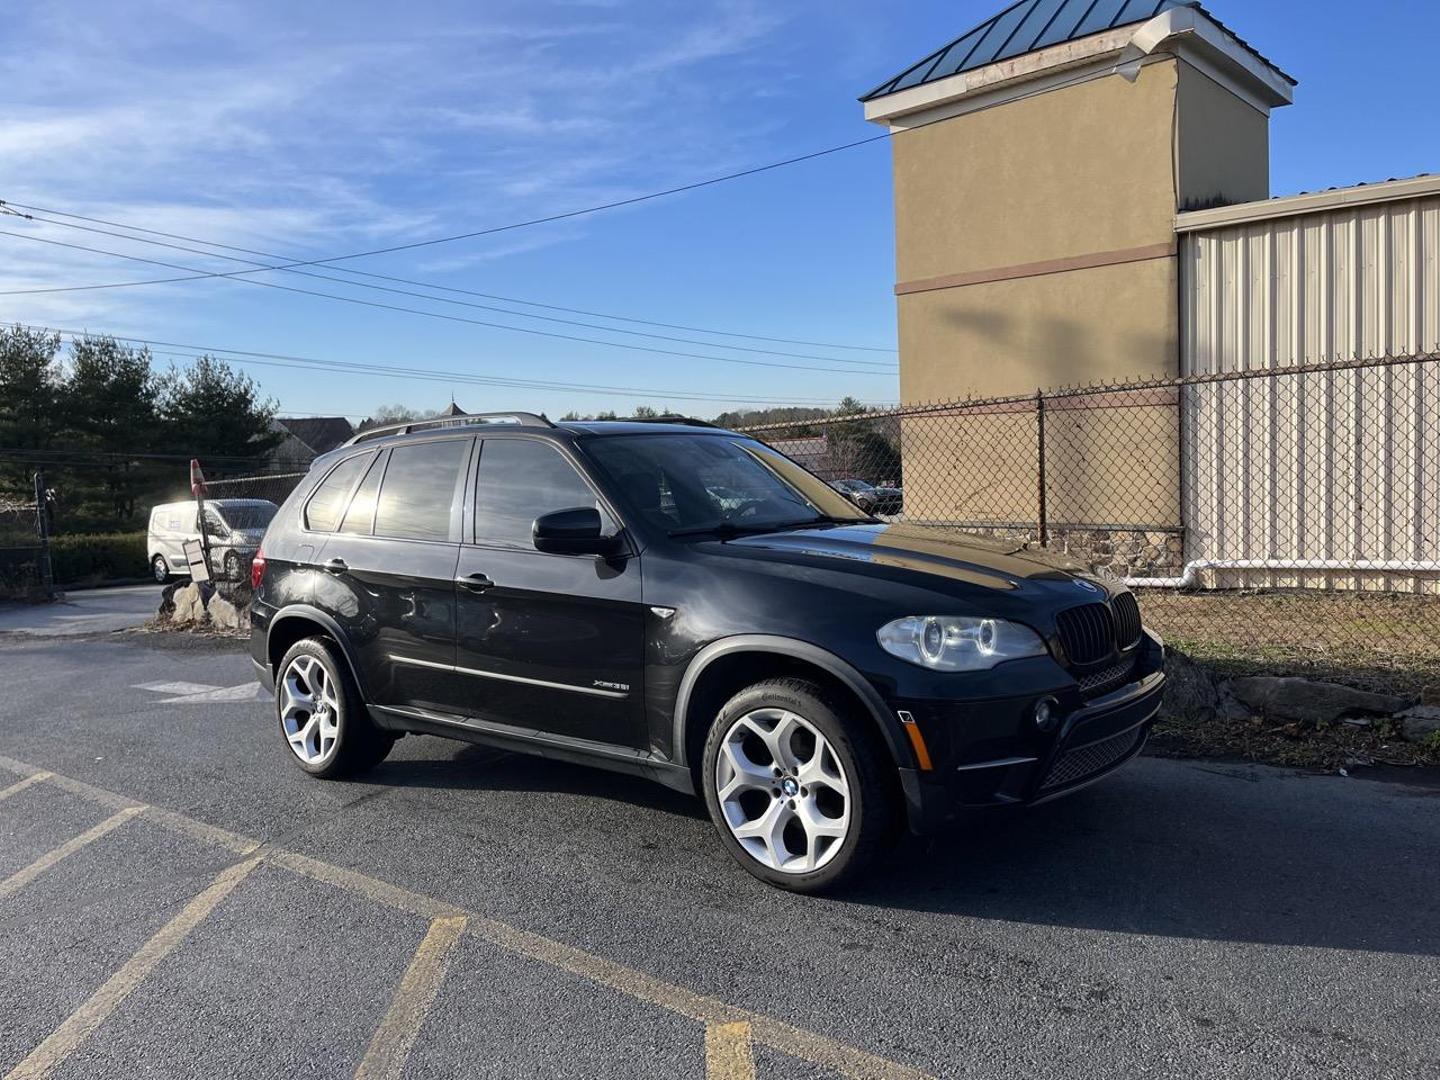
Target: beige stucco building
{"type": "Point", "coordinates": [1037, 185]}
{"type": "Point", "coordinates": [1082, 197]}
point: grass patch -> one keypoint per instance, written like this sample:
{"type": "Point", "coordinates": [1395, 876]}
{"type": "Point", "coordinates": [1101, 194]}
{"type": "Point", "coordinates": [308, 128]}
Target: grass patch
{"type": "Point", "coordinates": [1385, 642]}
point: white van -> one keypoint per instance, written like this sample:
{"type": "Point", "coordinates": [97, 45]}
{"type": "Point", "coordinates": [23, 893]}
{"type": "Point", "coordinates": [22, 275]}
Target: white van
{"type": "Point", "coordinates": [234, 528]}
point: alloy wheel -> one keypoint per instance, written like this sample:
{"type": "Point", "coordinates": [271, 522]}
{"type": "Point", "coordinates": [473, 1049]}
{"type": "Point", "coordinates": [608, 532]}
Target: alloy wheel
{"type": "Point", "coordinates": [783, 791]}
{"type": "Point", "coordinates": [309, 709]}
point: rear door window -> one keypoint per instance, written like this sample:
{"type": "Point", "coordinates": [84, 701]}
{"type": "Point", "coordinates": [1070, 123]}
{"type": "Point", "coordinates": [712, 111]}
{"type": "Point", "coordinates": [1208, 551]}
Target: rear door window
{"type": "Point", "coordinates": [417, 496]}
{"type": "Point", "coordinates": [322, 512]}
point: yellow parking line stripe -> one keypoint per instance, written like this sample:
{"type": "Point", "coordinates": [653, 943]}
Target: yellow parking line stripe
{"type": "Point", "coordinates": [389, 1047]}
{"type": "Point", "coordinates": [81, 1024]}
{"type": "Point", "coordinates": [353, 881]}
{"type": "Point", "coordinates": [728, 1055]}
{"type": "Point", "coordinates": [777, 1034]}
{"type": "Point", "coordinates": [203, 831]}
{"type": "Point", "coordinates": [18, 880]}
{"type": "Point", "coordinates": [788, 1039]}
{"type": "Point", "coordinates": [21, 785]}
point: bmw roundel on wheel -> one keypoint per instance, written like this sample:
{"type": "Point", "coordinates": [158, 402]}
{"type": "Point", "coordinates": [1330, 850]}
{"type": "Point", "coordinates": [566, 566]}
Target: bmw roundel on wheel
{"type": "Point", "coordinates": [683, 603]}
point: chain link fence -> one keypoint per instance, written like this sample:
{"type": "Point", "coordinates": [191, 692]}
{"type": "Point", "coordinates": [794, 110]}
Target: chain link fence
{"type": "Point", "coordinates": [24, 551]}
{"type": "Point", "coordinates": [1287, 518]}
{"type": "Point", "coordinates": [272, 487]}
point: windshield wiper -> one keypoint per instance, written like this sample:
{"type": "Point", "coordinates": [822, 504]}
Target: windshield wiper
{"type": "Point", "coordinates": [831, 519]}
{"type": "Point", "coordinates": [725, 529]}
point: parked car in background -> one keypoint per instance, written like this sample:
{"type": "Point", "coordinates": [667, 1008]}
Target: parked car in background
{"type": "Point", "coordinates": [234, 528]}
{"type": "Point", "coordinates": [683, 603]}
{"type": "Point", "coordinates": [871, 499]}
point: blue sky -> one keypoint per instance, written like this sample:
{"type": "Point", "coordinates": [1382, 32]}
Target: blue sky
{"type": "Point", "coordinates": [318, 129]}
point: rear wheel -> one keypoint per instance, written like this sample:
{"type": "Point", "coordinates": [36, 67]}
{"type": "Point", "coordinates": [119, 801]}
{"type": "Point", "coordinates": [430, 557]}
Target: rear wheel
{"type": "Point", "coordinates": [232, 566]}
{"type": "Point", "coordinates": [160, 569]}
{"type": "Point", "coordinates": [323, 721]}
{"type": "Point", "coordinates": [799, 787]}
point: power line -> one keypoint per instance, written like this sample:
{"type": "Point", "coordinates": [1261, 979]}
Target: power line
{"type": "Point", "coordinates": [441, 315]}
{"type": "Point", "coordinates": [1051, 88]}
{"type": "Point", "coordinates": [240, 275]}
{"type": "Point", "coordinates": [448, 300]}
{"type": "Point", "coordinates": [585, 211]}
{"type": "Point", "coordinates": [241, 356]}
{"type": "Point", "coordinates": [399, 280]}
{"type": "Point", "coordinates": [64, 455]}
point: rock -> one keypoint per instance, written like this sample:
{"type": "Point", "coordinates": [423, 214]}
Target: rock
{"type": "Point", "coordinates": [238, 593]}
{"type": "Point", "coordinates": [224, 615]}
{"type": "Point", "coordinates": [1312, 702]}
{"type": "Point", "coordinates": [1190, 690]}
{"type": "Point", "coordinates": [1419, 723]}
{"type": "Point", "coordinates": [189, 605]}
{"type": "Point", "coordinates": [166, 610]}
{"type": "Point", "coordinates": [1231, 707]}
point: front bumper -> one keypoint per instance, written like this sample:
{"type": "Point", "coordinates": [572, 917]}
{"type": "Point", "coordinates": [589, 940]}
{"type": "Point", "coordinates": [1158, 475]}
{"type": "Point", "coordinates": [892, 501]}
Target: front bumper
{"type": "Point", "coordinates": [987, 754]}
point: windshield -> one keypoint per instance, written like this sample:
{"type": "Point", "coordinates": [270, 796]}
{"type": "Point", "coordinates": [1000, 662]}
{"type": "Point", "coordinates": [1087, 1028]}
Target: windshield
{"type": "Point", "coordinates": [249, 518]}
{"type": "Point", "coordinates": [696, 483]}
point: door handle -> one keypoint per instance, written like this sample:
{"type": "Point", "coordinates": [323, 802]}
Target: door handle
{"type": "Point", "coordinates": [474, 582]}
{"type": "Point", "coordinates": [335, 566]}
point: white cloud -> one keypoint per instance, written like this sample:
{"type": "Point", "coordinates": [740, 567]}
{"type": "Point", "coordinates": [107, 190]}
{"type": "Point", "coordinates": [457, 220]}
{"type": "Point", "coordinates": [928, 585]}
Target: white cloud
{"type": "Point", "coordinates": [279, 127]}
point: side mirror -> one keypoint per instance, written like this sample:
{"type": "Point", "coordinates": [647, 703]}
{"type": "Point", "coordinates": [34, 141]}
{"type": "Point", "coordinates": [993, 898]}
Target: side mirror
{"type": "Point", "coordinates": [572, 532]}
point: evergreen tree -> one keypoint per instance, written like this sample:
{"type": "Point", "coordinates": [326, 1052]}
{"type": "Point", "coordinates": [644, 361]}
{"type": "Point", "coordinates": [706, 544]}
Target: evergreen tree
{"type": "Point", "coordinates": [212, 411]}
{"type": "Point", "coordinates": [111, 411]}
{"type": "Point", "coordinates": [29, 400]}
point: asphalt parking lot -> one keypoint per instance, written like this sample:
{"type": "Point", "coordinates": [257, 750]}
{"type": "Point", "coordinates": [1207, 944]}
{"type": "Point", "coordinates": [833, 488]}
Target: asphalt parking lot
{"type": "Point", "coordinates": [177, 900]}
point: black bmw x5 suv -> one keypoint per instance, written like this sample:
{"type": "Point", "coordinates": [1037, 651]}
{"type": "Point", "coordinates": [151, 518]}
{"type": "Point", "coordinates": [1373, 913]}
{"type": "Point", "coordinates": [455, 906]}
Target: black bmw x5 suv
{"type": "Point", "coordinates": [683, 603]}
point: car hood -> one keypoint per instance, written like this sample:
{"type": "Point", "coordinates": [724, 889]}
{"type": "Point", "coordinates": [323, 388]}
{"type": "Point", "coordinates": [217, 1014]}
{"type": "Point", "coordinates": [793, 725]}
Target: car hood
{"type": "Point", "coordinates": [932, 551]}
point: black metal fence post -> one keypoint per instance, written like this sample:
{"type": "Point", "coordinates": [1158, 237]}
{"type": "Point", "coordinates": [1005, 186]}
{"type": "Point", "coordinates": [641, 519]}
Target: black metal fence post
{"type": "Point", "coordinates": [42, 534]}
{"type": "Point", "coordinates": [1040, 473]}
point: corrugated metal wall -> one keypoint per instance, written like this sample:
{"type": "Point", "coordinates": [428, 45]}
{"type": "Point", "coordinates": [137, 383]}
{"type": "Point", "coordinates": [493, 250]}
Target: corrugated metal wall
{"type": "Point", "coordinates": [1322, 466]}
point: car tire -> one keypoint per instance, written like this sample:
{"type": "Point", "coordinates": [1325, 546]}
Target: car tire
{"type": "Point", "coordinates": [340, 738]}
{"type": "Point", "coordinates": [817, 814]}
{"type": "Point", "coordinates": [232, 566]}
{"type": "Point", "coordinates": [160, 569]}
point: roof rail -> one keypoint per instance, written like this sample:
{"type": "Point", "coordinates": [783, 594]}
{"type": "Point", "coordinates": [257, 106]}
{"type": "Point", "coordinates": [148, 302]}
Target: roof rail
{"type": "Point", "coordinates": [669, 418]}
{"type": "Point", "coordinates": [458, 420]}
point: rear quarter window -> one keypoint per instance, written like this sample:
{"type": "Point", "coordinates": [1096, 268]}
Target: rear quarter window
{"type": "Point", "coordinates": [327, 503]}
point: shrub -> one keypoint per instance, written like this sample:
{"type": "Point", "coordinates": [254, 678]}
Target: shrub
{"type": "Point", "coordinates": [98, 557]}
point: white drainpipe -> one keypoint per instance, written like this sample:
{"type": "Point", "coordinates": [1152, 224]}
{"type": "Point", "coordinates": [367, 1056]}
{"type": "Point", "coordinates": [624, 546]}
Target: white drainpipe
{"type": "Point", "coordinates": [1192, 570]}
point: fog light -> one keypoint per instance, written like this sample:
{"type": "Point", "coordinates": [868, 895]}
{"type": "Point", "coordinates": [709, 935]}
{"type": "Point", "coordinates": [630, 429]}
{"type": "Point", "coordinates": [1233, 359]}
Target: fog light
{"type": "Point", "coordinates": [1047, 714]}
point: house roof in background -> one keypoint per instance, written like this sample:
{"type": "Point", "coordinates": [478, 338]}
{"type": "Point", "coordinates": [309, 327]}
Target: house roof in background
{"type": "Point", "coordinates": [320, 433]}
{"type": "Point", "coordinates": [452, 410]}
{"type": "Point", "coordinates": [1031, 25]}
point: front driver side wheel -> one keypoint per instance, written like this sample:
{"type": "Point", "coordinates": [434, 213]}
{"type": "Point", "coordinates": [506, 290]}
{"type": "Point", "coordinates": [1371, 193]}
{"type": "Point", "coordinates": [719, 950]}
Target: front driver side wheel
{"type": "Point", "coordinates": [160, 569]}
{"type": "Point", "coordinates": [797, 785]}
{"type": "Point", "coordinates": [323, 721]}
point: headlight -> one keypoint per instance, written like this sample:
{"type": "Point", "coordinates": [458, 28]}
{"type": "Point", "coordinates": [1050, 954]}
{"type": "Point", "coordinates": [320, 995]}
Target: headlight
{"type": "Point", "coordinates": [950, 643]}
